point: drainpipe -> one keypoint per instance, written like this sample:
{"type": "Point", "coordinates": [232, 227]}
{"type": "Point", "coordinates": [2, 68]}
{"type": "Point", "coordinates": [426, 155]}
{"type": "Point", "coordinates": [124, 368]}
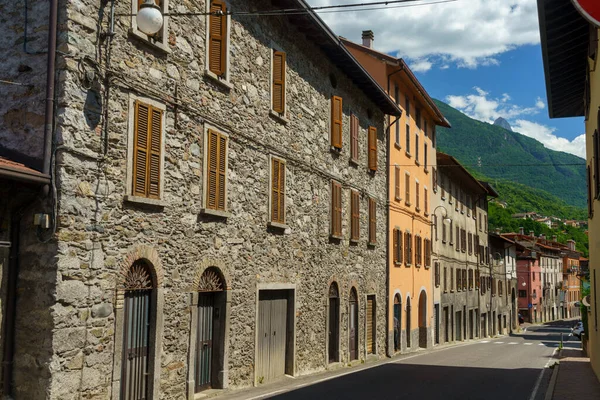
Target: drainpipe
{"type": "Point", "coordinates": [50, 72]}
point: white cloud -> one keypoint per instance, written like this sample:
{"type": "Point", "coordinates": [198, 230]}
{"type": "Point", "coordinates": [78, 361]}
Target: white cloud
{"type": "Point", "coordinates": [464, 33]}
{"type": "Point", "coordinates": [546, 136]}
{"type": "Point", "coordinates": [481, 106]}
{"type": "Point", "coordinates": [422, 65]}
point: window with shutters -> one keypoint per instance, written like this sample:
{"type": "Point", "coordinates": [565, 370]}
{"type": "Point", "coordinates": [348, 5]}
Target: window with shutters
{"type": "Point", "coordinates": [397, 250]}
{"type": "Point", "coordinates": [445, 279]}
{"type": "Point", "coordinates": [418, 251]}
{"type": "Point", "coordinates": [464, 279]}
{"type": "Point", "coordinates": [336, 210]}
{"type": "Point", "coordinates": [470, 244]}
{"type": "Point", "coordinates": [443, 231]}
{"type": "Point", "coordinates": [425, 201]}
{"type": "Point", "coordinates": [278, 82]}
{"type": "Point", "coordinates": [407, 188]}
{"type": "Point", "coordinates": [354, 216]}
{"type": "Point", "coordinates": [217, 41]}
{"type": "Point", "coordinates": [458, 280]}
{"type": "Point", "coordinates": [463, 240]}
{"type": "Point", "coordinates": [436, 270]}
{"type": "Point", "coordinates": [407, 249]}
{"type": "Point", "coordinates": [451, 233]}
{"type": "Point", "coordinates": [372, 149]}
{"type": "Point", "coordinates": [425, 157]}
{"type": "Point", "coordinates": [372, 221]}
{"type": "Point", "coordinates": [434, 177]}
{"type": "Point", "coordinates": [477, 280]}
{"type": "Point", "coordinates": [145, 151]}
{"type": "Point", "coordinates": [470, 279]}
{"type": "Point", "coordinates": [397, 121]}
{"type": "Point", "coordinates": [452, 279]}
{"type": "Point", "coordinates": [159, 39]}
{"type": "Point", "coordinates": [336, 122]}
{"type": "Point", "coordinates": [458, 238]}
{"type": "Point", "coordinates": [354, 135]}
{"type": "Point", "coordinates": [397, 178]}
{"type": "Point", "coordinates": [417, 196]}
{"type": "Point", "coordinates": [277, 196]}
{"type": "Point", "coordinates": [215, 167]}
{"type": "Point", "coordinates": [417, 137]}
{"type": "Point", "coordinates": [407, 118]}
{"type": "Point", "coordinates": [427, 261]}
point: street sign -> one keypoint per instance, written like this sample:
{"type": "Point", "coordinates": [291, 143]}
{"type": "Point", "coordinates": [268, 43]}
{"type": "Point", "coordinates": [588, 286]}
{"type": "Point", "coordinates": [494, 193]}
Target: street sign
{"type": "Point", "coordinates": [590, 9]}
{"type": "Point", "coordinates": [529, 305]}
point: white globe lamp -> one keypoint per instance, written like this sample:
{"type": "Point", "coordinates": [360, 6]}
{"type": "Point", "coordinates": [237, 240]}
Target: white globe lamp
{"type": "Point", "coordinates": [149, 18]}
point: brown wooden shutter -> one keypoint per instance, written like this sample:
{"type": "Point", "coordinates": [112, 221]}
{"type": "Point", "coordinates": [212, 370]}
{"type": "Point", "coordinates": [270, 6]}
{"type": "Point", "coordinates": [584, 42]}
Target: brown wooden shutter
{"type": "Point", "coordinates": [336, 122]}
{"type": "Point", "coordinates": [216, 174]}
{"type": "Point", "coordinates": [217, 46]}
{"type": "Point", "coordinates": [355, 215]}
{"type": "Point", "coordinates": [147, 151]}
{"type": "Point", "coordinates": [417, 196]}
{"type": "Point", "coordinates": [354, 129]}
{"type": "Point", "coordinates": [336, 209]}
{"type": "Point", "coordinates": [425, 201]}
{"type": "Point", "coordinates": [397, 183]}
{"type": "Point", "coordinates": [400, 248]}
{"type": "Point", "coordinates": [407, 189]}
{"type": "Point", "coordinates": [279, 81]}
{"type": "Point", "coordinates": [372, 148]}
{"type": "Point", "coordinates": [278, 191]}
{"type": "Point", "coordinates": [372, 221]}
{"type": "Point", "coordinates": [395, 246]}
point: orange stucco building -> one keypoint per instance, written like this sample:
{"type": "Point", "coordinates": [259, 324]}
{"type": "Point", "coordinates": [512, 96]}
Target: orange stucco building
{"type": "Point", "coordinates": [411, 156]}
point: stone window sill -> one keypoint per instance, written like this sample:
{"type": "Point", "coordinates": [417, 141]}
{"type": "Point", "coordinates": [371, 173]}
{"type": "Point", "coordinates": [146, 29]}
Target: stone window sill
{"type": "Point", "coordinates": [215, 213]}
{"type": "Point", "coordinates": [398, 198]}
{"type": "Point", "coordinates": [144, 200]}
{"type": "Point", "coordinates": [427, 171]}
{"type": "Point", "coordinates": [162, 46]}
{"type": "Point", "coordinates": [408, 154]}
{"type": "Point", "coordinates": [277, 225]}
{"type": "Point", "coordinates": [397, 145]}
{"type": "Point", "coordinates": [417, 163]}
{"type": "Point", "coordinates": [335, 237]}
{"type": "Point", "coordinates": [408, 265]}
{"type": "Point", "coordinates": [278, 117]}
{"type": "Point", "coordinates": [427, 266]}
{"type": "Point", "coordinates": [397, 264]}
{"type": "Point", "coordinates": [335, 150]}
{"type": "Point", "coordinates": [353, 162]}
{"type": "Point", "coordinates": [222, 82]}
{"type": "Point", "coordinates": [372, 244]}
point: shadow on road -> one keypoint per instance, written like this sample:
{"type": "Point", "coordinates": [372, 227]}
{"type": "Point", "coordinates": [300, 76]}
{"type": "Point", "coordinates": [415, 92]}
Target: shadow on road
{"type": "Point", "coordinates": [423, 382]}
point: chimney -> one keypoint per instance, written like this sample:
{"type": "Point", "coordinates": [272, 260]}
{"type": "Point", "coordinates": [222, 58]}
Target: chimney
{"type": "Point", "coordinates": [532, 233]}
{"type": "Point", "coordinates": [367, 38]}
{"type": "Point", "coordinates": [571, 244]}
{"type": "Point", "coordinates": [554, 238]}
{"type": "Point", "coordinates": [521, 231]}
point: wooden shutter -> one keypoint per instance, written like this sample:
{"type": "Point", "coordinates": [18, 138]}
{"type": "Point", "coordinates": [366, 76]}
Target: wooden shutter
{"type": "Point", "coordinates": [354, 128]}
{"type": "Point", "coordinates": [400, 247]}
{"type": "Point", "coordinates": [147, 151]}
{"type": "Point", "coordinates": [372, 148]}
{"type": "Point", "coordinates": [407, 248]}
{"type": "Point", "coordinates": [278, 81]}
{"type": "Point", "coordinates": [336, 209]}
{"type": "Point", "coordinates": [395, 246]}
{"type": "Point", "coordinates": [217, 38]}
{"type": "Point", "coordinates": [336, 122]}
{"type": "Point", "coordinates": [417, 196]}
{"type": "Point", "coordinates": [372, 221]}
{"type": "Point", "coordinates": [425, 201]}
{"type": "Point", "coordinates": [407, 189]}
{"type": "Point", "coordinates": [216, 174]}
{"type": "Point", "coordinates": [397, 183]}
{"type": "Point", "coordinates": [355, 215]}
{"type": "Point", "coordinates": [278, 191]}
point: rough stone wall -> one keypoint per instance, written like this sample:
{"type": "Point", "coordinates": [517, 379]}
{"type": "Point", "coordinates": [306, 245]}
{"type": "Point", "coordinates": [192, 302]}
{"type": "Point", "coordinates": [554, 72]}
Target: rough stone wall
{"type": "Point", "coordinates": [97, 228]}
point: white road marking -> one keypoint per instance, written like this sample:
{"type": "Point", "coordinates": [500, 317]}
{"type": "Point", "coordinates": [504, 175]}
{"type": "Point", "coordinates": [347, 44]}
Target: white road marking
{"type": "Point", "coordinates": [485, 341]}
{"type": "Point", "coordinates": [539, 379]}
{"type": "Point", "coordinates": [527, 344]}
{"type": "Point", "coordinates": [498, 342]}
{"type": "Point", "coordinates": [513, 343]}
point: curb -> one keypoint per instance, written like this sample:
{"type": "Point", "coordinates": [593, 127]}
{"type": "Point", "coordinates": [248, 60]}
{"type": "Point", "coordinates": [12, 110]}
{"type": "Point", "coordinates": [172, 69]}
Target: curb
{"type": "Point", "coordinates": [552, 384]}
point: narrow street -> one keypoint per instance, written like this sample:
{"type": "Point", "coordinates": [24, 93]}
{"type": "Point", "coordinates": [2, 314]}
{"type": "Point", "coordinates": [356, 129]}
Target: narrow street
{"type": "Point", "coordinates": [509, 367]}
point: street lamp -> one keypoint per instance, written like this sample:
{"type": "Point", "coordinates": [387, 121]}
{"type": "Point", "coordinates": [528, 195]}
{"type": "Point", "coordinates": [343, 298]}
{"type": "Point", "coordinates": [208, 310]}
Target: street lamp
{"type": "Point", "coordinates": [149, 19]}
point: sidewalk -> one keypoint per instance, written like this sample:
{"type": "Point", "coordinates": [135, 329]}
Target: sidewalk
{"type": "Point", "coordinates": [575, 378]}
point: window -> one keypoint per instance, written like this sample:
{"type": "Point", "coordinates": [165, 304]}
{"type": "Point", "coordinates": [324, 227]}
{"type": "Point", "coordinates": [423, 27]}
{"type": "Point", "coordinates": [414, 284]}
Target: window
{"type": "Point", "coordinates": [354, 130]}
{"type": "Point", "coordinates": [471, 283]}
{"type": "Point", "coordinates": [217, 39]}
{"type": "Point", "coordinates": [216, 171]}
{"type": "Point", "coordinates": [278, 99]}
{"type": "Point", "coordinates": [417, 196]}
{"type": "Point", "coordinates": [407, 249]}
{"type": "Point", "coordinates": [434, 178]}
{"type": "Point", "coordinates": [407, 111]}
{"type": "Point", "coordinates": [397, 98]}
{"type": "Point", "coordinates": [417, 146]}
{"type": "Point", "coordinates": [443, 186]}
{"type": "Point", "coordinates": [425, 156]}
{"type": "Point", "coordinates": [336, 122]}
{"type": "Point", "coordinates": [470, 244]}
{"type": "Point", "coordinates": [499, 288]}
{"type": "Point", "coordinates": [485, 223]}
{"type": "Point", "coordinates": [277, 191]}
{"type": "Point", "coordinates": [449, 191]}
{"type": "Point", "coordinates": [355, 215]}
{"type": "Point", "coordinates": [336, 210]}
{"type": "Point", "coordinates": [146, 150]}
{"type": "Point", "coordinates": [458, 238]}
{"type": "Point", "coordinates": [463, 240]}
{"type": "Point", "coordinates": [452, 279]}
{"type": "Point", "coordinates": [479, 222]}
{"type": "Point", "coordinates": [418, 118]}
{"type": "Point", "coordinates": [398, 251]}
{"type": "Point", "coordinates": [477, 280]}
{"type": "Point", "coordinates": [458, 280]}
{"type": "Point", "coordinates": [522, 293]}
{"type": "Point", "coordinates": [443, 231]}
{"type": "Point", "coordinates": [493, 286]}
{"type": "Point", "coordinates": [451, 233]}
{"type": "Point", "coordinates": [456, 197]}
{"type": "Point", "coordinates": [372, 221]}
{"type": "Point", "coordinates": [425, 201]}
{"type": "Point", "coordinates": [397, 183]}
{"type": "Point", "coordinates": [464, 279]}
{"type": "Point", "coordinates": [418, 251]}
{"type": "Point", "coordinates": [462, 202]}
{"type": "Point", "coordinates": [159, 39]}
{"type": "Point", "coordinates": [372, 149]}
{"type": "Point", "coordinates": [407, 188]}
{"type": "Point", "coordinates": [427, 244]}
{"type": "Point", "coordinates": [445, 279]}
{"type": "Point", "coordinates": [468, 205]}
{"type": "Point", "coordinates": [435, 226]}
{"type": "Point", "coordinates": [436, 270]}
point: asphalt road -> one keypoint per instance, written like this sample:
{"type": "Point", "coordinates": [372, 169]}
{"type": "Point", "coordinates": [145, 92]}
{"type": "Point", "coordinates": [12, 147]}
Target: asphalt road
{"type": "Point", "coordinates": [510, 367]}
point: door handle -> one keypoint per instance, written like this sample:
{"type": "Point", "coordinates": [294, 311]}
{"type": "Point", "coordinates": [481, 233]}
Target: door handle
{"type": "Point", "coordinates": [274, 333]}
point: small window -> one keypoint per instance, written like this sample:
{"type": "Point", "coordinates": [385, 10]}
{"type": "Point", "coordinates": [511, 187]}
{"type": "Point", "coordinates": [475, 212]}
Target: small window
{"type": "Point", "coordinates": [407, 249]}
{"type": "Point", "coordinates": [355, 215]}
{"type": "Point", "coordinates": [336, 122]}
{"type": "Point", "coordinates": [278, 84]}
{"type": "Point", "coordinates": [418, 251]}
{"type": "Point", "coordinates": [417, 196]}
{"type": "Point", "coordinates": [407, 188]}
{"type": "Point", "coordinates": [278, 190]}
{"type": "Point", "coordinates": [217, 38]}
{"type": "Point", "coordinates": [522, 293]}
{"type": "Point", "coordinates": [336, 210]}
{"type": "Point", "coordinates": [397, 183]}
{"type": "Point", "coordinates": [372, 149]}
{"type": "Point", "coordinates": [408, 136]}
{"type": "Point", "coordinates": [398, 253]}
{"type": "Point", "coordinates": [216, 171]}
{"type": "Point", "coordinates": [418, 118]}
{"type": "Point", "coordinates": [417, 146]}
{"type": "Point", "coordinates": [354, 132]}
{"type": "Point", "coordinates": [436, 270]}
{"type": "Point", "coordinates": [445, 279]}
{"type": "Point", "coordinates": [147, 150]}
{"type": "Point", "coordinates": [372, 221]}
{"type": "Point", "coordinates": [425, 201]}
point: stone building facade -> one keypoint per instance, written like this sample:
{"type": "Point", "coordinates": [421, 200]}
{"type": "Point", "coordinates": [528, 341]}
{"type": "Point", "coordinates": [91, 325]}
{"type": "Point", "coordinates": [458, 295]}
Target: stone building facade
{"type": "Point", "coordinates": [219, 195]}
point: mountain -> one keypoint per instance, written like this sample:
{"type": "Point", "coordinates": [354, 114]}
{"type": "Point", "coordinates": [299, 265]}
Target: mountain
{"type": "Point", "coordinates": [498, 153]}
{"type": "Point", "coordinates": [502, 123]}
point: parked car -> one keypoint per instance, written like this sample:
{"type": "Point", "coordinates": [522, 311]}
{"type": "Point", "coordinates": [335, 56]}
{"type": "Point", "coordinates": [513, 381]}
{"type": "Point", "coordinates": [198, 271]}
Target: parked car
{"type": "Point", "coordinates": [578, 330]}
{"type": "Point", "coordinates": [521, 319]}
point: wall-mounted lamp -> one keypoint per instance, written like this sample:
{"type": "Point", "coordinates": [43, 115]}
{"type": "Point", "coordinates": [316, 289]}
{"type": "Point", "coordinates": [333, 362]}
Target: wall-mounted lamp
{"type": "Point", "coordinates": [149, 19]}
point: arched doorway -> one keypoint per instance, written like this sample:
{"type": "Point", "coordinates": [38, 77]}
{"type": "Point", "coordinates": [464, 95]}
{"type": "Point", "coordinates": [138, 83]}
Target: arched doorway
{"type": "Point", "coordinates": [353, 324]}
{"type": "Point", "coordinates": [408, 327]}
{"type": "Point", "coordinates": [334, 323]}
{"type": "Point", "coordinates": [397, 323]}
{"type": "Point", "coordinates": [139, 328]}
{"type": "Point", "coordinates": [210, 330]}
{"type": "Point", "coordinates": [423, 319]}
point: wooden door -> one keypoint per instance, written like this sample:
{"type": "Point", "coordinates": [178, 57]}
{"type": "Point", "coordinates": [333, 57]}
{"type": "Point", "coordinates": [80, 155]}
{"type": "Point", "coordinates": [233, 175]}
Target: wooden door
{"type": "Point", "coordinates": [353, 326]}
{"type": "Point", "coordinates": [334, 331]}
{"type": "Point", "coordinates": [136, 346]}
{"type": "Point", "coordinates": [204, 344]}
{"type": "Point", "coordinates": [371, 325]}
{"type": "Point", "coordinates": [436, 322]}
{"type": "Point", "coordinates": [408, 327]}
{"type": "Point", "coordinates": [397, 323]}
{"type": "Point", "coordinates": [272, 335]}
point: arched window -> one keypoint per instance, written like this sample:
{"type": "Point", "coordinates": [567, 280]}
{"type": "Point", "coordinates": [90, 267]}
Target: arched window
{"type": "Point", "coordinates": [334, 317]}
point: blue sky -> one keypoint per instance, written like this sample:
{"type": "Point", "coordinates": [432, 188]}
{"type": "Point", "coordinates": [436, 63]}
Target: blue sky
{"type": "Point", "coordinates": [482, 57]}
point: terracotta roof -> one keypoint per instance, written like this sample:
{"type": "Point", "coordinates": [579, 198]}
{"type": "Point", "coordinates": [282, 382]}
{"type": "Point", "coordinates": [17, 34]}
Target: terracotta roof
{"type": "Point", "coordinates": [10, 169]}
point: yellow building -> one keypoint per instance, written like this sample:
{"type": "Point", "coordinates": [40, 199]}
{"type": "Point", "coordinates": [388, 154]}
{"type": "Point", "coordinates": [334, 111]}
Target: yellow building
{"type": "Point", "coordinates": [411, 156]}
{"type": "Point", "coordinates": [570, 51]}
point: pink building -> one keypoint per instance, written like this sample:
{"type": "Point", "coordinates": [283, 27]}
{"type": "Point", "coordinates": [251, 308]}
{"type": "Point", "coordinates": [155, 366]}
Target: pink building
{"type": "Point", "coordinates": [529, 283]}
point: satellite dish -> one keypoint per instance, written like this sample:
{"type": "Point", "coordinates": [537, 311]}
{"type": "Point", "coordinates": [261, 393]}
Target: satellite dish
{"type": "Point", "coordinates": [586, 301]}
